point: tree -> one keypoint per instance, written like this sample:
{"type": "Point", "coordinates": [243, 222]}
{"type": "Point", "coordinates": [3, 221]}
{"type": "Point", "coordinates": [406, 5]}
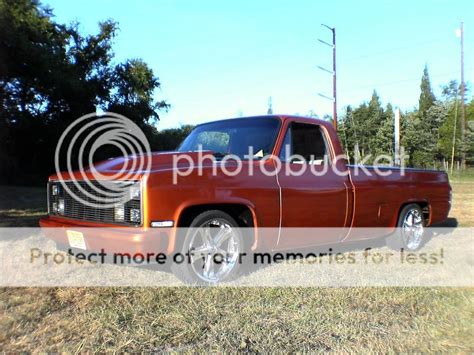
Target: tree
{"type": "Point", "coordinates": [420, 136]}
{"type": "Point", "coordinates": [451, 99]}
{"type": "Point", "coordinates": [421, 132]}
{"type": "Point", "coordinates": [427, 98]}
{"type": "Point", "coordinates": [469, 144]}
{"type": "Point", "coordinates": [50, 75]}
{"type": "Point", "coordinates": [134, 84]}
{"type": "Point", "coordinates": [352, 131]}
{"type": "Point", "coordinates": [169, 139]}
{"type": "Point", "coordinates": [375, 118]}
{"type": "Point", "coordinates": [384, 138]}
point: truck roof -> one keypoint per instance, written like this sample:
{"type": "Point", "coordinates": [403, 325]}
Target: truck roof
{"type": "Point", "coordinates": [281, 117]}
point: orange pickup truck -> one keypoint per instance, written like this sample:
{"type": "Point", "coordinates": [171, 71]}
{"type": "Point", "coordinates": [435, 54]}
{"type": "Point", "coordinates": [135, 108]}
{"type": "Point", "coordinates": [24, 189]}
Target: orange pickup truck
{"type": "Point", "coordinates": [254, 172]}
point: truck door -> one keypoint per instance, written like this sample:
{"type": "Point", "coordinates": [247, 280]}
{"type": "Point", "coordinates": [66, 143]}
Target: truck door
{"type": "Point", "coordinates": [312, 193]}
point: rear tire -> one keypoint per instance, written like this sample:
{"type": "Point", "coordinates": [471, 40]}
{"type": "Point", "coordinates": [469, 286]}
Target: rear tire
{"type": "Point", "coordinates": [411, 232]}
{"type": "Point", "coordinates": [214, 243]}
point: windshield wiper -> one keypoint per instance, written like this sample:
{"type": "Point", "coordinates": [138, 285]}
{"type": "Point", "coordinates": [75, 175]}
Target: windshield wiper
{"type": "Point", "coordinates": [219, 155]}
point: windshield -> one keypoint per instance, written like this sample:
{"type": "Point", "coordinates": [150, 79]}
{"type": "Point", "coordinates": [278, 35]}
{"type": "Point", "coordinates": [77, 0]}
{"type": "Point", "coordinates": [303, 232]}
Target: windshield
{"type": "Point", "coordinates": [236, 136]}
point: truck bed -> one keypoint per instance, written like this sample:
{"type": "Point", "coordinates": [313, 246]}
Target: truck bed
{"type": "Point", "coordinates": [378, 199]}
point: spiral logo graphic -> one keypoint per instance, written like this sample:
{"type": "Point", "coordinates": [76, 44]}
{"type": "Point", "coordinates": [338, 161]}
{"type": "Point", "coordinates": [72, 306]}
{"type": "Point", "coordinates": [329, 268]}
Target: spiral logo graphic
{"type": "Point", "coordinates": [114, 181]}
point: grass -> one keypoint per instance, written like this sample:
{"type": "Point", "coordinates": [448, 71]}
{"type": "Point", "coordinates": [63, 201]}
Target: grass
{"type": "Point", "coordinates": [459, 176]}
{"type": "Point", "coordinates": [21, 206]}
{"type": "Point", "coordinates": [230, 319]}
{"type": "Point", "coordinates": [249, 319]}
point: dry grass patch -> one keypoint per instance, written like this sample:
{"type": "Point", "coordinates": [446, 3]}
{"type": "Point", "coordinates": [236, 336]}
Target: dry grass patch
{"type": "Point", "coordinates": [463, 203]}
{"type": "Point", "coordinates": [250, 319]}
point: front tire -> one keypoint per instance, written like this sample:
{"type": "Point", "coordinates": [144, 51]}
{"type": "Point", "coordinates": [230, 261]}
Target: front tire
{"type": "Point", "coordinates": [214, 243]}
{"type": "Point", "coordinates": [411, 231]}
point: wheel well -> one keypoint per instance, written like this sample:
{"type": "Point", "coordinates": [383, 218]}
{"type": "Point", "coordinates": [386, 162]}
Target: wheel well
{"type": "Point", "coordinates": [425, 209]}
{"type": "Point", "coordinates": [241, 213]}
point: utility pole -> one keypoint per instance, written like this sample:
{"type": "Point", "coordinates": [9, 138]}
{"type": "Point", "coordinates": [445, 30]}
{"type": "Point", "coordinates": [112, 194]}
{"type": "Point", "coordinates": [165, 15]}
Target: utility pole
{"type": "Point", "coordinates": [454, 131]}
{"type": "Point", "coordinates": [463, 109]}
{"type": "Point", "coordinates": [397, 136]}
{"type": "Point", "coordinates": [333, 72]}
{"type": "Point", "coordinates": [270, 108]}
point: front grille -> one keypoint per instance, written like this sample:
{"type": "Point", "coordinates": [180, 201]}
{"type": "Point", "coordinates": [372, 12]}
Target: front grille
{"type": "Point", "coordinates": [74, 208]}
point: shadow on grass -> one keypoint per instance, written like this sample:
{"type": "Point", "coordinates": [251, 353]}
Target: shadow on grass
{"type": "Point", "coordinates": [449, 223]}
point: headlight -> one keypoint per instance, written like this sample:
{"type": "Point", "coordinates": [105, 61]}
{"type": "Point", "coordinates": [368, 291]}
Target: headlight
{"type": "Point", "coordinates": [135, 192]}
{"type": "Point", "coordinates": [119, 213]}
{"type": "Point", "coordinates": [61, 206]}
{"type": "Point", "coordinates": [135, 215]}
{"type": "Point", "coordinates": [55, 190]}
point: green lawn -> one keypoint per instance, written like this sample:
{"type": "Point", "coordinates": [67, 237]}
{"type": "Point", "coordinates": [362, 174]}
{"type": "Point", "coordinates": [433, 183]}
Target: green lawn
{"type": "Point", "coordinates": [229, 319]}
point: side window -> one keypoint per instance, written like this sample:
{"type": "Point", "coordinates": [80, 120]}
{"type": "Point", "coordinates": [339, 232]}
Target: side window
{"type": "Point", "coordinates": [304, 143]}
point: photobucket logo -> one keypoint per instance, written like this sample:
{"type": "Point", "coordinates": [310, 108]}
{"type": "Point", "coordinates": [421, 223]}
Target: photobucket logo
{"type": "Point", "coordinates": [293, 165]}
{"type": "Point", "coordinates": [108, 184]}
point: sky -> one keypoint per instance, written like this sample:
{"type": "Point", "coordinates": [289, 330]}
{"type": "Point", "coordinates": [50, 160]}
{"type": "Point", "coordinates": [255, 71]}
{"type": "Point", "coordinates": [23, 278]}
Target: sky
{"type": "Point", "coordinates": [222, 59]}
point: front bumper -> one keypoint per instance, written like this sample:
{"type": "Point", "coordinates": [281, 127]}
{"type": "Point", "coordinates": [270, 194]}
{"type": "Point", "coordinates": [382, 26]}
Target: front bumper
{"type": "Point", "coordinates": [111, 240]}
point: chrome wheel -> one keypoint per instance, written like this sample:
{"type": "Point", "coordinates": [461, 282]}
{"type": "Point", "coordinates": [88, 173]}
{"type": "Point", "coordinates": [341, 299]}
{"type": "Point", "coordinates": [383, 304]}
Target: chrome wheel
{"type": "Point", "coordinates": [413, 229]}
{"type": "Point", "coordinates": [214, 250]}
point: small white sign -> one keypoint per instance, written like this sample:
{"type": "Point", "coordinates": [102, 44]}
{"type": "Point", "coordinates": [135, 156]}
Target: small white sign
{"type": "Point", "coordinates": [76, 240]}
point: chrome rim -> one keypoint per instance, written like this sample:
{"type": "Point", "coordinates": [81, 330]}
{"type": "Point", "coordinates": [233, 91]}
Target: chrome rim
{"type": "Point", "coordinates": [214, 250]}
{"type": "Point", "coordinates": [413, 229]}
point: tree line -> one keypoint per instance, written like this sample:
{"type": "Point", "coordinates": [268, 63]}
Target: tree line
{"type": "Point", "coordinates": [428, 132]}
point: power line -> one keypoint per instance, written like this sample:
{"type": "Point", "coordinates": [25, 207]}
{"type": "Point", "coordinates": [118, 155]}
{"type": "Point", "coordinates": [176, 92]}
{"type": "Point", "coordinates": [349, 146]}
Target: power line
{"type": "Point", "coordinates": [398, 81]}
{"type": "Point", "coordinates": [392, 50]}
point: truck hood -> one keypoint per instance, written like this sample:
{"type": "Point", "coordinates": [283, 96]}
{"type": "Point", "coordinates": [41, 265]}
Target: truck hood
{"type": "Point", "coordinates": [130, 165]}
